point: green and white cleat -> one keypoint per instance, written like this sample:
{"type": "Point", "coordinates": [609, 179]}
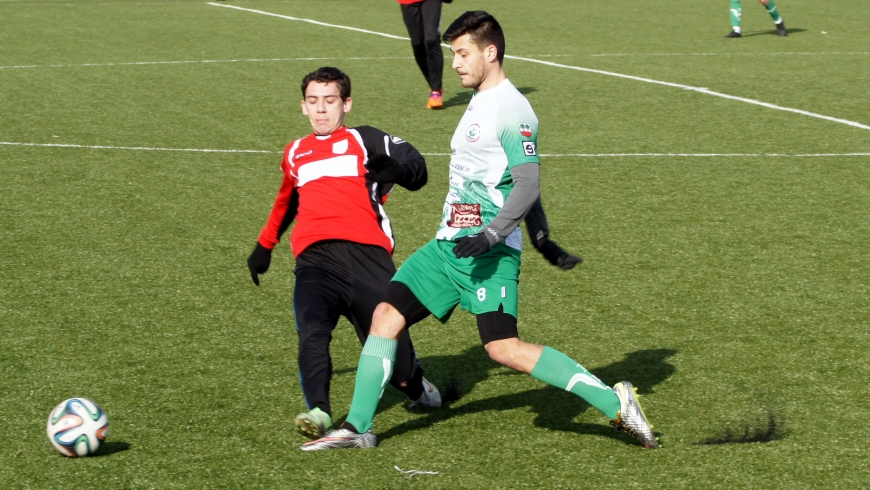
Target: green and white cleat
{"type": "Point", "coordinates": [630, 418]}
{"type": "Point", "coordinates": [342, 439]}
{"type": "Point", "coordinates": [313, 424]}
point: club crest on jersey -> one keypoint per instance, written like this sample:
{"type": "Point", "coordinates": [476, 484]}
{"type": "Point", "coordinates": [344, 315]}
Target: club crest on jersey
{"type": "Point", "coordinates": [526, 130]}
{"type": "Point", "coordinates": [464, 216]}
{"type": "Point", "coordinates": [529, 148]}
{"type": "Point", "coordinates": [340, 147]}
{"type": "Point", "coordinates": [472, 134]}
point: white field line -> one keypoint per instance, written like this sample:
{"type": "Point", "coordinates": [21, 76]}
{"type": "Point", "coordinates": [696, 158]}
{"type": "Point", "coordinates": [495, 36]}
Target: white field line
{"type": "Point", "coordinates": [140, 148]}
{"type": "Point", "coordinates": [702, 90]}
{"type": "Point", "coordinates": [252, 60]}
{"type": "Point", "coordinates": [548, 155]}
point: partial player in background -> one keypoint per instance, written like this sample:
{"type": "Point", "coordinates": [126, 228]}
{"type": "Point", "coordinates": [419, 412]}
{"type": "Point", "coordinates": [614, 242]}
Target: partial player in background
{"type": "Point", "coordinates": [336, 181]}
{"type": "Point", "coordinates": [736, 14]}
{"type": "Point", "coordinates": [423, 21]}
{"type": "Point", "coordinates": [474, 260]}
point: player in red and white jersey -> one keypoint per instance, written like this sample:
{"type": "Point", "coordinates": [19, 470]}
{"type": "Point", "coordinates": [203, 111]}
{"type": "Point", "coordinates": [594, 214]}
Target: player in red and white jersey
{"type": "Point", "coordinates": [336, 181]}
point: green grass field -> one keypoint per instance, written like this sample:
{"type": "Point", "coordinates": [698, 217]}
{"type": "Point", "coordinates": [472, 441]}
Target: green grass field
{"type": "Point", "coordinates": [725, 243]}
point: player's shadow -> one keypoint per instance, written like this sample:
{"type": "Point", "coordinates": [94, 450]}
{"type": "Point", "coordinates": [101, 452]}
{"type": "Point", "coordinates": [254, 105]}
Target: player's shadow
{"type": "Point", "coordinates": [774, 32]}
{"type": "Point", "coordinates": [554, 409]}
{"type": "Point", "coordinates": [464, 97]}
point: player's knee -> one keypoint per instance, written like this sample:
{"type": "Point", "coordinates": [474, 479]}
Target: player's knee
{"type": "Point", "coordinates": [387, 321]}
{"type": "Point", "coordinates": [502, 351]}
{"type": "Point", "coordinates": [764, 2]}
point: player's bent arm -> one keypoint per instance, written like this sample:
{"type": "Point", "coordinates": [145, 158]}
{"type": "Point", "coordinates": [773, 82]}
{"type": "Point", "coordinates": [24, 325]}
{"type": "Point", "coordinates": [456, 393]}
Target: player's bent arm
{"type": "Point", "coordinates": [527, 190]}
{"type": "Point", "coordinates": [414, 172]}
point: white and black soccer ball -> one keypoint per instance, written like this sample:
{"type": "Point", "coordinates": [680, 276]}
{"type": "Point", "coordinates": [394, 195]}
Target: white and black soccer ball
{"type": "Point", "coordinates": [77, 427]}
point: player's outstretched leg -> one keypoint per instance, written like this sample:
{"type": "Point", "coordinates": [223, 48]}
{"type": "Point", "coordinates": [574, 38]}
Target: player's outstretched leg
{"type": "Point", "coordinates": [313, 424]}
{"type": "Point", "coordinates": [631, 418]}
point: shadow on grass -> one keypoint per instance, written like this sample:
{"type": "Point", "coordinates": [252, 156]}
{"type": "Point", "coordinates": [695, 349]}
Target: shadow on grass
{"type": "Point", "coordinates": [111, 447]}
{"type": "Point", "coordinates": [554, 409]}
{"type": "Point", "coordinates": [774, 32]}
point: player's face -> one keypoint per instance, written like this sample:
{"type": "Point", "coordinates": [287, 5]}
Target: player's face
{"type": "Point", "coordinates": [324, 107]}
{"type": "Point", "coordinates": [472, 63]}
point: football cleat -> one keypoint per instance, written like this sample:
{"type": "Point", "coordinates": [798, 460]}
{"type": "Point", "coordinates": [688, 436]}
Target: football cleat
{"type": "Point", "coordinates": [781, 30]}
{"type": "Point", "coordinates": [431, 397]}
{"type": "Point", "coordinates": [435, 101]}
{"type": "Point", "coordinates": [630, 418]}
{"type": "Point", "coordinates": [313, 424]}
{"type": "Point", "coordinates": [733, 34]}
{"type": "Point", "coordinates": [342, 438]}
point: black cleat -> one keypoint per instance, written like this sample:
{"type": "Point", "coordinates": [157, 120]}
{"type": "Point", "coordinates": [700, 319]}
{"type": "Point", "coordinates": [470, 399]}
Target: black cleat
{"type": "Point", "coordinates": [781, 30]}
{"type": "Point", "coordinates": [733, 34]}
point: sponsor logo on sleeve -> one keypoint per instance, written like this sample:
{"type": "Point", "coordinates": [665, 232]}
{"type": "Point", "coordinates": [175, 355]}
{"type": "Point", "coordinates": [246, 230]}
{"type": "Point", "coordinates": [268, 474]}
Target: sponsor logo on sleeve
{"type": "Point", "coordinates": [464, 216]}
{"type": "Point", "coordinates": [396, 140]}
{"type": "Point", "coordinates": [529, 148]}
{"type": "Point", "coordinates": [526, 130]}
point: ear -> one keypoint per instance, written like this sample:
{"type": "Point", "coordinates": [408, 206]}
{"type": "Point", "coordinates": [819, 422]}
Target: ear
{"type": "Point", "coordinates": [348, 103]}
{"type": "Point", "coordinates": [304, 109]}
{"type": "Point", "coordinates": [490, 54]}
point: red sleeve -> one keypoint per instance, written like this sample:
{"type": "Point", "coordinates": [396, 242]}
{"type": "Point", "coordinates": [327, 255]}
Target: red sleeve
{"type": "Point", "coordinates": [282, 213]}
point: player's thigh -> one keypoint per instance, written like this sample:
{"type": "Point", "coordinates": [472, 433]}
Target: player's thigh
{"type": "Point", "coordinates": [489, 282]}
{"type": "Point", "coordinates": [425, 276]}
{"type": "Point", "coordinates": [318, 301]}
{"type": "Point", "coordinates": [371, 275]}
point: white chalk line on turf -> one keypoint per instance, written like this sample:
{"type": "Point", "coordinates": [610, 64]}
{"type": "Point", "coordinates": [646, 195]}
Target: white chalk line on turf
{"type": "Point", "coordinates": [702, 90]}
{"type": "Point", "coordinates": [181, 62]}
{"type": "Point", "coordinates": [545, 155]}
{"type": "Point", "coordinates": [139, 148]}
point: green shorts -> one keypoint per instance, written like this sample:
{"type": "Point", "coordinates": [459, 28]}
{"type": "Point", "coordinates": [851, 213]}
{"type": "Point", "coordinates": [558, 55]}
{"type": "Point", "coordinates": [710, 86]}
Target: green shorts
{"type": "Point", "coordinates": [478, 284]}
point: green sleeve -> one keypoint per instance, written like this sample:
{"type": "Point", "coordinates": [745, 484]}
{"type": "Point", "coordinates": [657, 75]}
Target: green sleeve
{"type": "Point", "coordinates": [518, 134]}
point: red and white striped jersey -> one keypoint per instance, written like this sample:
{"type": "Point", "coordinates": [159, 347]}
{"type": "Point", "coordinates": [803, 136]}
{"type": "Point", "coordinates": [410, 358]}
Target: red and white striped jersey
{"type": "Point", "coordinates": [326, 192]}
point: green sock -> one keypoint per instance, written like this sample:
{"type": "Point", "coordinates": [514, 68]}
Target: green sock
{"type": "Point", "coordinates": [774, 14]}
{"type": "Point", "coordinates": [374, 371]}
{"type": "Point", "coordinates": [735, 15]}
{"type": "Point", "coordinates": [563, 372]}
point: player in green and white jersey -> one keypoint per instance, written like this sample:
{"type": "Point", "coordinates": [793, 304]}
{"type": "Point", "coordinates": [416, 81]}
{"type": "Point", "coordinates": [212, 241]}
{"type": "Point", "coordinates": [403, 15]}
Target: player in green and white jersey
{"type": "Point", "coordinates": [737, 14]}
{"type": "Point", "coordinates": [474, 259]}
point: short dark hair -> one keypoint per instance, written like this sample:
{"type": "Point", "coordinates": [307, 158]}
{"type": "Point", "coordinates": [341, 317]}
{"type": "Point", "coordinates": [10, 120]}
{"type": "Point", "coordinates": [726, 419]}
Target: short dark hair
{"type": "Point", "coordinates": [328, 74]}
{"type": "Point", "coordinates": [483, 29]}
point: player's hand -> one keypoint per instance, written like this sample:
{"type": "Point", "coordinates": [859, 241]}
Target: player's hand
{"type": "Point", "coordinates": [384, 169]}
{"type": "Point", "coordinates": [258, 262]}
{"type": "Point", "coordinates": [555, 255]}
{"type": "Point", "coordinates": [471, 246]}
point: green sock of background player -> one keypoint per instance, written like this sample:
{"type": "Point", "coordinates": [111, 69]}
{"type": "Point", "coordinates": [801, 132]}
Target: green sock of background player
{"type": "Point", "coordinates": [553, 367]}
{"type": "Point", "coordinates": [735, 15]}
{"type": "Point", "coordinates": [771, 9]}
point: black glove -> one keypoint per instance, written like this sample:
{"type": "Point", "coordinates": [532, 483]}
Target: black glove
{"type": "Point", "coordinates": [384, 169]}
{"type": "Point", "coordinates": [471, 246]}
{"type": "Point", "coordinates": [258, 262]}
{"type": "Point", "coordinates": [556, 255]}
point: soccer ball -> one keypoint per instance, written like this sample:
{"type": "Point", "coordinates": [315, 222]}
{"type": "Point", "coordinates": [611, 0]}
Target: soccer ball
{"type": "Point", "coordinates": [77, 427]}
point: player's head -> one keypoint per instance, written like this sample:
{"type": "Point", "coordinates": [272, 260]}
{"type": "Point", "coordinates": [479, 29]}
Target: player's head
{"type": "Point", "coordinates": [326, 99]}
{"type": "Point", "coordinates": [477, 42]}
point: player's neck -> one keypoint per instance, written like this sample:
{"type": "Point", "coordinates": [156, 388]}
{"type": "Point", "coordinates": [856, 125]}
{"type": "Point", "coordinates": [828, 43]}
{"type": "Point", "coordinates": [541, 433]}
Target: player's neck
{"type": "Point", "coordinates": [493, 79]}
